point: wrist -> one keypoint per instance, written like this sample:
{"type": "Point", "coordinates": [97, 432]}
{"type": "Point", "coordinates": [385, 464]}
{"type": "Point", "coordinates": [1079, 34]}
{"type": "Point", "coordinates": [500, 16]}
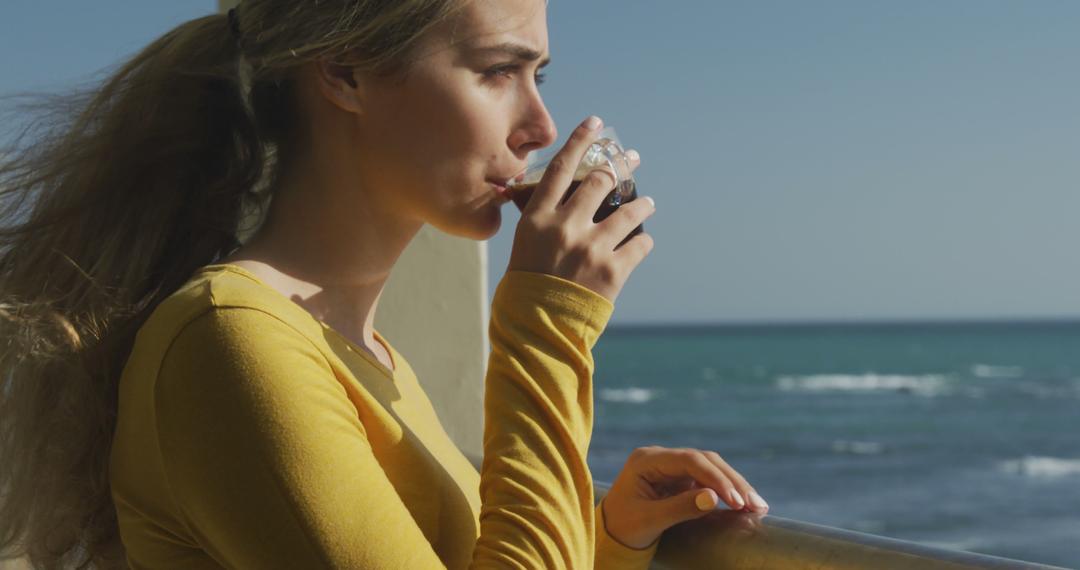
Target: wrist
{"type": "Point", "coordinates": [639, 542]}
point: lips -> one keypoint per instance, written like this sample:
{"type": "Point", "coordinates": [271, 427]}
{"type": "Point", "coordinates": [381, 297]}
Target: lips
{"type": "Point", "coordinates": [500, 189]}
{"type": "Point", "coordinates": [500, 183]}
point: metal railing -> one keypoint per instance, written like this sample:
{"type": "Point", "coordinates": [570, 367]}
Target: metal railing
{"type": "Point", "coordinates": [727, 539]}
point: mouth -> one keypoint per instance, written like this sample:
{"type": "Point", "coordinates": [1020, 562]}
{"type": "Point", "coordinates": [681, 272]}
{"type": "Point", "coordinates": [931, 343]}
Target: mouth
{"type": "Point", "coordinates": [500, 188]}
{"type": "Point", "coordinates": [504, 181]}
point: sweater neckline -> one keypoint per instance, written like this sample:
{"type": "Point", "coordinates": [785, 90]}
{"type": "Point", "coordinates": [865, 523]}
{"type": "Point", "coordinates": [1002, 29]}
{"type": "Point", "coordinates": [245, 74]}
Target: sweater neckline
{"type": "Point", "coordinates": [352, 346]}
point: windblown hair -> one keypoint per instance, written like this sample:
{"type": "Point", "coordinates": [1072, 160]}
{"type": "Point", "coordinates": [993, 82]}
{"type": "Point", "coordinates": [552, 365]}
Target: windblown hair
{"type": "Point", "coordinates": [110, 199]}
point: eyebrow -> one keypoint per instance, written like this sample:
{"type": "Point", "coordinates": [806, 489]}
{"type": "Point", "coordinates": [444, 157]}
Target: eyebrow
{"type": "Point", "coordinates": [517, 50]}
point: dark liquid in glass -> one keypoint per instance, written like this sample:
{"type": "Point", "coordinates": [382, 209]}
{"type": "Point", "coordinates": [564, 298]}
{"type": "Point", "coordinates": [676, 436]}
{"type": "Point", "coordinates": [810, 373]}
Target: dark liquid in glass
{"type": "Point", "coordinates": [521, 195]}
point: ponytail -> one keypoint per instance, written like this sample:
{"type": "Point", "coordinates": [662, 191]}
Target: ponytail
{"type": "Point", "coordinates": [109, 201]}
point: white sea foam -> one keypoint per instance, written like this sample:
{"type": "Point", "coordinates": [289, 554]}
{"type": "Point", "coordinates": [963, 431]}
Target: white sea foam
{"type": "Point", "coordinates": [1044, 392]}
{"type": "Point", "coordinates": [630, 395]}
{"type": "Point", "coordinates": [858, 447]}
{"type": "Point", "coordinates": [924, 385]}
{"type": "Point", "coordinates": [992, 371]}
{"type": "Point", "coordinates": [1042, 467]}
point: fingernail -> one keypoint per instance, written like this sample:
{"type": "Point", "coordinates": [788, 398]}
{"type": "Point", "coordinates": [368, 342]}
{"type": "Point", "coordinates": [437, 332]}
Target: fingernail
{"type": "Point", "coordinates": [757, 501]}
{"type": "Point", "coordinates": [633, 155]}
{"type": "Point", "coordinates": [593, 123]}
{"type": "Point", "coordinates": [737, 499]}
{"type": "Point", "coordinates": [706, 501]}
{"type": "Point", "coordinates": [650, 200]}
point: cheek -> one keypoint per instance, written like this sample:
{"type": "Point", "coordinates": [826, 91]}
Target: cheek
{"type": "Point", "coordinates": [455, 112]}
{"type": "Point", "coordinates": [414, 117]}
{"type": "Point", "coordinates": [458, 156]}
{"type": "Point", "coordinates": [435, 112]}
{"type": "Point", "coordinates": [439, 135]}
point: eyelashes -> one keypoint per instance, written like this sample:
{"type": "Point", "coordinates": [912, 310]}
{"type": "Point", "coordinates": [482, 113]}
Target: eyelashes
{"type": "Point", "coordinates": [508, 70]}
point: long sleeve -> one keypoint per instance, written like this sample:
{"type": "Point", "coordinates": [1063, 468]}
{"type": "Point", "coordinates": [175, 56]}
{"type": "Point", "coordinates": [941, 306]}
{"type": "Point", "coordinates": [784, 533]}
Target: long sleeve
{"type": "Point", "coordinates": [538, 509]}
{"type": "Point", "coordinates": [269, 465]}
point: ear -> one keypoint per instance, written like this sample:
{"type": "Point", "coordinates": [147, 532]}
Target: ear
{"type": "Point", "coordinates": [338, 84]}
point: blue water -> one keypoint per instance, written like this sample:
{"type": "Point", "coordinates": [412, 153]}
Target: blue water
{"type": "Point", "coordinates": [965, 436]}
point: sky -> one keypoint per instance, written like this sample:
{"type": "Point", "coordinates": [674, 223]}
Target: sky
{"type": "Point", "coordinates": [827, 160]}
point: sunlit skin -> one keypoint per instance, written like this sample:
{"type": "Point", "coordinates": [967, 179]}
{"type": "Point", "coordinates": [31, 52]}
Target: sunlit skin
{"type": "Point", "coordinates": [388, 156]}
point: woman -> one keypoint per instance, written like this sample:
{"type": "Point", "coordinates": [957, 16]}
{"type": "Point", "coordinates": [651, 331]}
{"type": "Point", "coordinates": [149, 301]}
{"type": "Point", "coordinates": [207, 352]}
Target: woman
{"type": "Point", "coordinates": [178, 399]}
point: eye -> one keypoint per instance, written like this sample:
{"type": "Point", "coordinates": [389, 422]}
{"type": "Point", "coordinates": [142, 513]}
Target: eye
{"type": "Point", "coordinates": [508, 70]}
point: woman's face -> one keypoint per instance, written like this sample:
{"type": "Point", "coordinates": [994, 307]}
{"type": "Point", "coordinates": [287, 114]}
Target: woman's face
{"type": "Point", "coordinates": [464, 118]}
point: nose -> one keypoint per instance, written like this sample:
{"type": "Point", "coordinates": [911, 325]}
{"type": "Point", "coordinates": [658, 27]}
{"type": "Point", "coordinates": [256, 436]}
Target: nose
{"type": "Point", "coordinates": [536, 129]}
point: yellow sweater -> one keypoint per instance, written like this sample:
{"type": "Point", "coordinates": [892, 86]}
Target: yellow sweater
{"type": "Point", "coordinates": [252, 435]}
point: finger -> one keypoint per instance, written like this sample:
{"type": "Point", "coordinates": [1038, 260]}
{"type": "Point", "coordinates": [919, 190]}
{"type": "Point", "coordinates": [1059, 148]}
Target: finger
{"type": "Point", "coordinates": [706, 500]}
{"type": "Point", "coordinates": [591, 193]}
{"type": "Point", "coordinates": [682, 462]}
{"type": "Point", "coordinates": [560, 171]}
{"type": "Point", "coordinates": [635, 159]}
{"type": "Point", "coordinates": [594, 202]}
{"type": "Point", "coordinates": [635, 250]}
{"type": "Point", "coordinates": [675, 487]}
{"type": "Point", "coordinates": [754, 502]}
{"type": "Point", "coordinates": [625, 219]}
{"type": "Point", "coordinates": [688, 505]}
{"type": "Point", "coordinates": [692, 504]}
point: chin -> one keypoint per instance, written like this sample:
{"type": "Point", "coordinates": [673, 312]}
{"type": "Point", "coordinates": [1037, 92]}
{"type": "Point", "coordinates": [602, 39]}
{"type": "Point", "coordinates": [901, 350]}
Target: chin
{"type": "Point", "coordinates": [479, 225]}
{"type": "Point", "coordinates": [490, 220]}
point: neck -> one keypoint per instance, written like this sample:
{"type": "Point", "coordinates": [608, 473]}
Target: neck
{"type": "Point", "coordinates": [329, 246]}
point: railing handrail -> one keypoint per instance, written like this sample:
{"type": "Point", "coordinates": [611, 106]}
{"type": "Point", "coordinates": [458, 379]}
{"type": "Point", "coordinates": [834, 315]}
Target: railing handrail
{"type": "Point", "coordinates": [728, 539]}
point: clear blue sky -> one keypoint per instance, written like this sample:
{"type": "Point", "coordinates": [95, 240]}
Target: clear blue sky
{"type": "Point", "coordinates": [834, 159]}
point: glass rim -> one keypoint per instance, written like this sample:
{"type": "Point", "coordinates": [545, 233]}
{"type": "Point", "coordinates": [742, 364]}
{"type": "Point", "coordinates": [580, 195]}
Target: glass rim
{"type": "Point", "coordinates": [543, 156]}
{"type": "Point", "coordinates": [617, 163]}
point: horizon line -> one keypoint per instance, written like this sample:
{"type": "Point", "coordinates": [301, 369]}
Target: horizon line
{"type": "Point", "coordinates": [870, 322]}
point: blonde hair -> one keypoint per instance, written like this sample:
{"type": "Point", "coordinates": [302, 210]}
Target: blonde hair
{"type": "Point", "coordinates": [109, 200]}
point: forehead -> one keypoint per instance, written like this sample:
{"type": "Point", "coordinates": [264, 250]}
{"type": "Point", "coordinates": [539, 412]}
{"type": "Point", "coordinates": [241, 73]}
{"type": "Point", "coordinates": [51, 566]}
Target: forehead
{"type": "Point", "coordinates": [487, 22]}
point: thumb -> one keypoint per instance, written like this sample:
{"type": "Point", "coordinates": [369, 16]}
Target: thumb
{"type": "Point", "coordinates": [688, 505]}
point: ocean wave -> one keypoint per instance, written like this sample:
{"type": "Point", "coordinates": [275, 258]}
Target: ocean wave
{"type": "Point", "coordinates": [992, 371]}
{"type": "Point", "coordinates": [1045, 392]}
{"type": "Point", "coordinates": [924, 385]}
{"type": "Point", "coordinates": [858, 447]}
{"type": "Point", "coordinates": [630, 395]}
{"type": "Point", "coordinates": [1042, 467]}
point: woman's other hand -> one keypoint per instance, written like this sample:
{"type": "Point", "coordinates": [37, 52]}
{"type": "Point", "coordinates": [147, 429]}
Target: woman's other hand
{"type": "Point", "coordinates": [561, 239]}
{"type": "Point", "coordinates": [660, 487]}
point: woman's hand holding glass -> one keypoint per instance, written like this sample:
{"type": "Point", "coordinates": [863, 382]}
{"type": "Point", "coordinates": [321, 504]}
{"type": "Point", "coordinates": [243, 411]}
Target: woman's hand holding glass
{"type": "Point", "coordinates": [561, 239]}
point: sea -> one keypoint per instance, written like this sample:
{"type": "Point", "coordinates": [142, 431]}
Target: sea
{"type": "Point", "coordinates": [959, 435]}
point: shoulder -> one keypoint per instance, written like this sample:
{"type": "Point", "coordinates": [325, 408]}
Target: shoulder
{"type": "Point", "coordinates": [221, 307]}
{"type": "Point", "coordinates": [225, 333]}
